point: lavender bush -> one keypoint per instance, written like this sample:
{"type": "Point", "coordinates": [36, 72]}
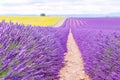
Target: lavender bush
{"type": "Point", "coordinates": [100, 51]}
{"type": "Point", "coordinates": [31, 53]}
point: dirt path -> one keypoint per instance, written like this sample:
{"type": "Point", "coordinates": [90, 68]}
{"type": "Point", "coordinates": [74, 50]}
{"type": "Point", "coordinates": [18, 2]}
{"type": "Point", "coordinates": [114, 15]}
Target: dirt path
{"type": "Point", "coordinates": [73, 69]}
{"type": "Point", "coordinates": [60, 22]}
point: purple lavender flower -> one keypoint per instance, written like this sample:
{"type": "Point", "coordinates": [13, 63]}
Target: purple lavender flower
{"type": "Point", "coordinates": [98, 39]}
{"type": "Point", "coordinates": [31, 53]}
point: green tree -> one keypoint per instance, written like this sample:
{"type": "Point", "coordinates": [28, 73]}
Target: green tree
{"type": "Point", "coordinates": [42, 14]}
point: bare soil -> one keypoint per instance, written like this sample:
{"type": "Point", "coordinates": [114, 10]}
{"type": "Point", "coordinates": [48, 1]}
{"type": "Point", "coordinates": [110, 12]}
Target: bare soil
{"type": "Point", "coordinates": [74, 69]}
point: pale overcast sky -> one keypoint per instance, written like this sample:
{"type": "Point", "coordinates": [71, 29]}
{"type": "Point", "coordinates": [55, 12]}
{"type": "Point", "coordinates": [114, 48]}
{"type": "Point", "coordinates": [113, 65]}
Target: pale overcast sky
{"type": "Point", "coordinates": [59, 7]}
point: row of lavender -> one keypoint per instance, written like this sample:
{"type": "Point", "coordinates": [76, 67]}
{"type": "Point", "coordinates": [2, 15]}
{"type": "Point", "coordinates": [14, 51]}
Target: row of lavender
{"type": "Point", "coordinates": [99, 41]}
{"type": "Point", "coordinates": [31, 53]}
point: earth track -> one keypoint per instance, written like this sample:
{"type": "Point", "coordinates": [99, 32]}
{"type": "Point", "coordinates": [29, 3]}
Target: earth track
{"type": "Point", "coordinates": [74, 66]}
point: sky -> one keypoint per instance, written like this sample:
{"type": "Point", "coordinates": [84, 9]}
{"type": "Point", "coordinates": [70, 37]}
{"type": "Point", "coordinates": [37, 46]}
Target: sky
{"type": "Point", "coordinates": [59, 7]}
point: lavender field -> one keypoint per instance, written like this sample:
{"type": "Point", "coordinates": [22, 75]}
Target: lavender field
{"type": "Point", "coordinates": [31, 53]}
{"type": "Point", "coordinates": [98, 40]}
{"type": "Point", "coordinates": [38, 53]}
